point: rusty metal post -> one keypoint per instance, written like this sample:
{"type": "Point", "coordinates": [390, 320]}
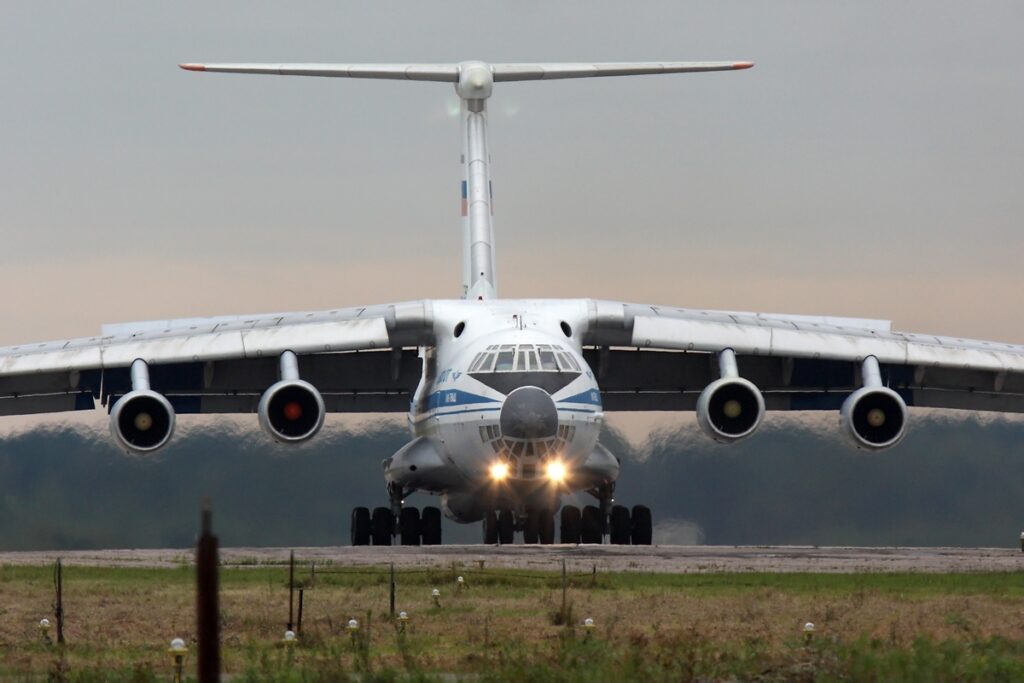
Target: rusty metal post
{"type": "Point", "coordinates": [207, 609]}
{"type": "Point", "coordinates": [291, 589]}
{"type": "Point", "coordinates": [58, 605]}
{"type": "Point", "coordinates": [299, 621]}
{"type": "Point", "coordinates": [392, 600]}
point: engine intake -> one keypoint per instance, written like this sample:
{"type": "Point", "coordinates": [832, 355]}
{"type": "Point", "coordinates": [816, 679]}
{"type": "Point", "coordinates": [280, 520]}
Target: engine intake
{"type": "Point", "coordinates": [874, 416]}
{"type": "Point", "coordinates": [142, 420]}
{"type": "Point", "coordinates": [730, 409]}
{"type": "Point", "coordinates": [292, 410]}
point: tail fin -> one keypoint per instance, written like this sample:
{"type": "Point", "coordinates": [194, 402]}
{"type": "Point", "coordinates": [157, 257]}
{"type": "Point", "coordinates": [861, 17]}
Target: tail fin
{"type": "Point", "coordinates": [473, 83]}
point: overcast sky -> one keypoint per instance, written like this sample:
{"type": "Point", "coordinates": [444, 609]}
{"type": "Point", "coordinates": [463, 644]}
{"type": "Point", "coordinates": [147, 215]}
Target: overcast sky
{"type": "Point", "coordinates": [871, 163]}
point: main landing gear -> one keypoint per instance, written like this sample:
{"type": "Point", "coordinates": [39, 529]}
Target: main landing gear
{"type": "Point", "coordinates": [406, 524]}
{"type": "Point", "coordinates": [622, 525]}
{"type": "Point", "coordinates": [411, 527]}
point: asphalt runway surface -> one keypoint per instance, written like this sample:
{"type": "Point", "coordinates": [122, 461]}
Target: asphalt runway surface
{"type": "Point", "coordinates": [673, 559]}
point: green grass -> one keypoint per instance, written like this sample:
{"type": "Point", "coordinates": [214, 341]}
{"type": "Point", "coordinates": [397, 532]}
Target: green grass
{"type": "Point", "coordinates": [509, 625]}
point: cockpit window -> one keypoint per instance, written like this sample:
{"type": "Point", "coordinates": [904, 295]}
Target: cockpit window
{"type": "Point", "coordinates": [506, 361]}
{"type": "Point", "coordinates": [547, 361]}
{"type": "Point", "coordinates": [524, 358]}
{"type": "Point", "coordinates": [566, 362]}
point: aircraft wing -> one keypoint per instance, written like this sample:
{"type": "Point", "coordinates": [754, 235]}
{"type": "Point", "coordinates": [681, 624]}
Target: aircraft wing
{"type": "Point", "coordinates": [661, 358]}
{"type": "Point", "coordinates": [359, 358]}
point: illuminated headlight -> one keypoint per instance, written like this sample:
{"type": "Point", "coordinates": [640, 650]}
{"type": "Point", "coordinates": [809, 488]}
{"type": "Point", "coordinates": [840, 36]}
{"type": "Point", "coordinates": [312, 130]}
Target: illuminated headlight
{"type": "Point", "coordinates": [499, 471]}
{"type": "Point", "coordinates": [555, 471]}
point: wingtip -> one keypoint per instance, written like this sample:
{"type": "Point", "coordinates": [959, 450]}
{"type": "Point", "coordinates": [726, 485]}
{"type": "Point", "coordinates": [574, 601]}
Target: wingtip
{"type": "Point", "coordinates": [192, 67]}
{"type": "Point", "coordinates": [742, 65]}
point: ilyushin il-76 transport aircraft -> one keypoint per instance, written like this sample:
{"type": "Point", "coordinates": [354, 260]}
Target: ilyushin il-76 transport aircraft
{"type": "Point", "coordinates": [505, 397]}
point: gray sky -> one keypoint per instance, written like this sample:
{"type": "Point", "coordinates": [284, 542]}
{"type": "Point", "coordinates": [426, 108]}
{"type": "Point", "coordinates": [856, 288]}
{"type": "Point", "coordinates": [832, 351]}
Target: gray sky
{"type": "Point", "coordinates": [869, 165]}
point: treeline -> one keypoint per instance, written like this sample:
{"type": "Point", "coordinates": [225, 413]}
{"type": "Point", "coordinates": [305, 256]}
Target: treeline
{"type": "Point", "coordinates": [952, 482]}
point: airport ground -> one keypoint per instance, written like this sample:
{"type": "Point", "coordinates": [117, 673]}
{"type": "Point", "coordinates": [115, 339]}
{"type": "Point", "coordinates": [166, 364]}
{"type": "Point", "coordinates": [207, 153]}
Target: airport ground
{"type": "Point", "coordinates": [659, 614]}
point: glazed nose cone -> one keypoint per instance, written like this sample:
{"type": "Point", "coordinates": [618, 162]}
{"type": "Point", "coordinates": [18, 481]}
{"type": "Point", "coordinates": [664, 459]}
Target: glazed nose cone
{"type": "Point", "coordinates": [529, 413]}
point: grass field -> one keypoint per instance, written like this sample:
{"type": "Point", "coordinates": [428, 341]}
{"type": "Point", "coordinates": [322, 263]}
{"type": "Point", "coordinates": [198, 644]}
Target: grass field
{"type": "Point", "coordinates": [509, 625]}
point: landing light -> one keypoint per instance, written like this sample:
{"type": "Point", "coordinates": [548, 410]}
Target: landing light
{"type": "Point", "coordinates": [499, 471]}
{"type": "Point", "coordinates": [555, 471]}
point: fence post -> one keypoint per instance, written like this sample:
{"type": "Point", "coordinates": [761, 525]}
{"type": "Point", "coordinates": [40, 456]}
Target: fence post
{"type": "Point", "coordinates": [291, 588]}
{"type": "Point", "coordinates": [207, 608]}
{"type": "Point", "coordinates": [58, 606]}
{"type": "Point", "coordinates": [392, 603]}
{"type": "Point", "coordinates": [299, 624]}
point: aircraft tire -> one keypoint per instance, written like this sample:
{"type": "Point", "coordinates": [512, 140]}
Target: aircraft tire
{"type": "Point", "coordinates": [506, 528]}
{"type": "Point", "coordinates": [531, 530]}
{"type": "Point", "coordinates": [382, 526]}
{"type": "Point", "coordinates": [592, 529]}
{"type": "Point", "coordinates": [359, 531]}
{"type": "Point", "coordinates": [490, 525]}
{"type": "Point", "coordinates": [571, 525]}
{"type": "Point", "coordinates": [621, 529]}
{"type": "Point", "coordinates": [546, 526]}
{"type": "Point", "coordinates": [642, 531]}
{"type": "Point", "coordinates": [430, 525]}
{"type": "Point", "coordinates": [409, 526]}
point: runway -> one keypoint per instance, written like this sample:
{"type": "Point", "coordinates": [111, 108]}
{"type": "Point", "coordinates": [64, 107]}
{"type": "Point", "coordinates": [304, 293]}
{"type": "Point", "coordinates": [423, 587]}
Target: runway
{"type": "Point", "coordinates": [671, 559]}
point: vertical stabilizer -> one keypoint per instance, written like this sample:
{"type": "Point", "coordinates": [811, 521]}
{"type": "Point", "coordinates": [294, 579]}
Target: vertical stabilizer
{"type": "Point", "coordinates": [474, 87]}
{"type": "Point", "coordinates": [473, 83]}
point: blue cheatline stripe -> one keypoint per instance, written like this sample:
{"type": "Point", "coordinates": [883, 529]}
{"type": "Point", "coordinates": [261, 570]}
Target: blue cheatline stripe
{"type": "Point", "coordinates": [590, 397]}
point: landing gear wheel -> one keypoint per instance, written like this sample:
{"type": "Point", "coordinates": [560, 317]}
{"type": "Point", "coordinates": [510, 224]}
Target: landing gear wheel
{"type": "Point", "coordinates": [490, 528]}
{"type": "Point", "coordinates": [409, 526]}
{"type": "Point", "coordinates": [531, 530]}
{"type": "Point", "coordinates": [572, 524]}
{"type": "Point", "coordinates": [546, 526]}
{"type": "Point", "coordinates": [593, 525]}
{"type": "Point", "coordinates": [430, 526]}
{"type": "Point", "coordinates": [382, 525]}
{"type": "Point", "coordinates": [506, 528]}
{"type": "Point", "coordinates": [642, 532]}
{"type": "Point", "coordinates": [359, 531]}
{"type": "Point", "coordinates": [621, 529]}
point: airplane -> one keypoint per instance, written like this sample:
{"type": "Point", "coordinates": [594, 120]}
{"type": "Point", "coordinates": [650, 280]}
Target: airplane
{"type": "Point", "coordinates": [505, 397]}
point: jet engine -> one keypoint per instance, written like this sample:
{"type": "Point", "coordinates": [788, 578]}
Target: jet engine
{"type": "Point", "coordinates": [291, 410]}
{"type": "Point", "coordinates": [142, 420]}
{"type": "Point", "coordinates": [730, 408]}
{"type": "Point", "coordinates": [874, 416]}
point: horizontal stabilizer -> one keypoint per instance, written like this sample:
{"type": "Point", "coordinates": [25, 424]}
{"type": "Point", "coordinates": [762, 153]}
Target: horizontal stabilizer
{"type": "Point", "coordinates": [450, 72]}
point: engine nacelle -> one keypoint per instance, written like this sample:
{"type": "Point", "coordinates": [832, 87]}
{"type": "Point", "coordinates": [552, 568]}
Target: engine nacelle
{"type": "Point", "coordinates": [874, 418]}
{"type": "Point", "coordinates": [142, 421]}
{"type": "Point", "coordinates": [291, 411]}
{"type": "Point", "coordinates": [730, 409]}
